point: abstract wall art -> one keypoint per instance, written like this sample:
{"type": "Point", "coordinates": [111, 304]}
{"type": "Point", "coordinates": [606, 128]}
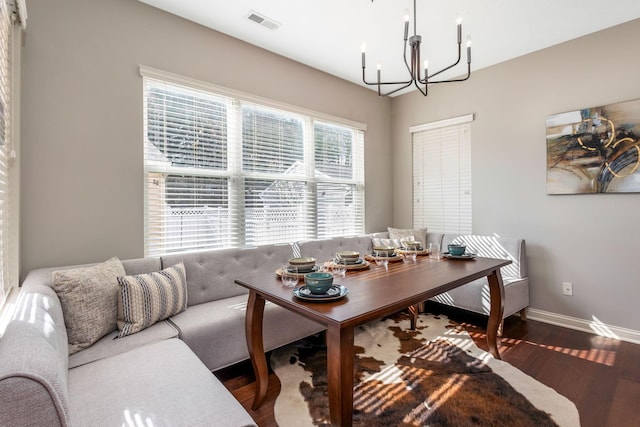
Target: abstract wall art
{"type": "Point", "coordinates": [594, 150]}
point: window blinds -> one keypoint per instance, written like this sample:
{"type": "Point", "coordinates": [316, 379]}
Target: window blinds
{"type": "Point", "coordinates": [442, 176]}
{"type": "Point", "coordinates": [9, 15]}
{"type": "Point", "coordinates": [223, 171]}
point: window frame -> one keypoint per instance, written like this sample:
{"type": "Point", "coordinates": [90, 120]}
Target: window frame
{"type": "Point", "coordinates": [235, 173]}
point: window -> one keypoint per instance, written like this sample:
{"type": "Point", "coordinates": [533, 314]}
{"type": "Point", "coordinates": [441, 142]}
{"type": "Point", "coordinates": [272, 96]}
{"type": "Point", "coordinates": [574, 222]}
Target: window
{"type": "Point", "coordinates": [12, 14]}
{"type": "Point", "coordinates": [224, 169]}
{"type": "Point", "coordinates": [442, 175]}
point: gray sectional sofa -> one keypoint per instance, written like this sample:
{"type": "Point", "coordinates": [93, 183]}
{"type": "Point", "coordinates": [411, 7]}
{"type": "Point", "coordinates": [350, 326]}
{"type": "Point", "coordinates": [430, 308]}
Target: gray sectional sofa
{"type": "Point", "coordinates": [161, 375]}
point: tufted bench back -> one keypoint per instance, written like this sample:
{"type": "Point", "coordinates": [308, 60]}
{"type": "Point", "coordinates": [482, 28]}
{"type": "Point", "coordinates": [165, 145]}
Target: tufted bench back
{"type": "Point", "coordinates": [325, 249]}
{"type": "Point", "coordinates": [211, 274]}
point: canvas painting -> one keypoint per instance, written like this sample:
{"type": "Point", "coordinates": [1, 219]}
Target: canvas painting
{"type": "Point", "coordinates": [594, 150]}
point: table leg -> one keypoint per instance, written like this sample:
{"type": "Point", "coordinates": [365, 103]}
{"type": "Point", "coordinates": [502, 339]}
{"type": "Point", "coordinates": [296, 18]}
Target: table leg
{"type": "Point", "coordinates": [496, 292]}
{"type": "Point", "coordinates": [340, 374]}
{"type": "Point", "coordinates": [255, 344]}
{"type": "Point", "coordinates": [414, 312]}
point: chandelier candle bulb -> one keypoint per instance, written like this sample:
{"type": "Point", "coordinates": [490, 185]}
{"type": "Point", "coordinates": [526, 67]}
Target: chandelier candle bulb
{"type": "Point", "coordinates": [406, 24]}
{"type": "Point", "coordinates": [459, 30]}
{"type": "Point", "coordinates": [468, 50]}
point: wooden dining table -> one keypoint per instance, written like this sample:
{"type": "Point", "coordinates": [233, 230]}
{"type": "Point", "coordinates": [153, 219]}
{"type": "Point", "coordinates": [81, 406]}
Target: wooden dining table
{"type": "Point", "coordinates": [373, 293]}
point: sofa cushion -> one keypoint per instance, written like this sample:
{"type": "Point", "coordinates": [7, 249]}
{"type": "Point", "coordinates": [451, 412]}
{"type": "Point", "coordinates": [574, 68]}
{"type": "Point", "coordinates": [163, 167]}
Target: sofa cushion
{"type": "Point", "coordinates": [160, 384]}
{"type": "Point", "coordinates": [145, 299]}
{"type": "Point", "coordinates": [215, 331]}
{"type": "Point", "coordinates": [89, 298]}
{"type": "Point", "coordinates": [111, 344]}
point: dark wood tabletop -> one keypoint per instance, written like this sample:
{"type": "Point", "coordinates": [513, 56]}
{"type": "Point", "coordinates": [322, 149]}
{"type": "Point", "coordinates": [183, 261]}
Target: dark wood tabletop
{"type": "Point", "coordinates": [372, 294]}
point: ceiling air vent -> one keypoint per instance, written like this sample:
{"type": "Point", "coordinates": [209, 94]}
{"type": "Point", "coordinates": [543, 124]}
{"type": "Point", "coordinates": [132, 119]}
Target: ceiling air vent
{"type": "Point", "coordinates": [263, 20]}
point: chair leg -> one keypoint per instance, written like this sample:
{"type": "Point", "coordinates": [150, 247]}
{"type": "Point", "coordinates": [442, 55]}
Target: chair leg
{"type": "Point", "coordinates": [500, 328]}
{"type": "Point", "coordinates": [523, 314]}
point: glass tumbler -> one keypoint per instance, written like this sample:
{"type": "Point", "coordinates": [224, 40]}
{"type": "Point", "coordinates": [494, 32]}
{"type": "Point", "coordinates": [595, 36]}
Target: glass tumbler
{"type": "Point", "coordinates": [289, 276]}
{"type": "Point", "coordinates": [434, 251]}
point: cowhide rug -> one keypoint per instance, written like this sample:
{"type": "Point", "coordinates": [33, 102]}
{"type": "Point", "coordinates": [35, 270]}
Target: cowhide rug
{"type": "Point", "coordinates": [433, 376]}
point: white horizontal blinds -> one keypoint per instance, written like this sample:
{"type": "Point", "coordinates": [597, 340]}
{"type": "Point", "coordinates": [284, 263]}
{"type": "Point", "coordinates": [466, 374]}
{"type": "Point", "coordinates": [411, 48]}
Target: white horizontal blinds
{"type": "Point", "coordinates": [277, 204]}
{"type": "Point", "coordinates": [339, 173]}
{"type": "Point", "coordinates": [442, 179]}
{"type": "Point", "coordinates": [5, 146]}
{"type": "Point", "coordinates": [188, 172]}
{"type": "Point", "coordinates": [223, 171]}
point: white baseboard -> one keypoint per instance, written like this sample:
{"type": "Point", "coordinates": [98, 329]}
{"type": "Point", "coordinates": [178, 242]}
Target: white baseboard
{"type": "Point", "coordinates": [590, 326]}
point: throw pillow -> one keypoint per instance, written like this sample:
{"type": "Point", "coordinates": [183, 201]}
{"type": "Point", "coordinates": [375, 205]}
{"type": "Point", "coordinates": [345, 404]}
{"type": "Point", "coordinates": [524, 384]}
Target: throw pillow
{"type": "Point", "coordinates": [396, 243]}
{"type": "Point", "coordinates": [420, 234]}
{"type": "Point", "coordinates": [89, 299]}
{"type": "Point", "coordinates": [145, 299]}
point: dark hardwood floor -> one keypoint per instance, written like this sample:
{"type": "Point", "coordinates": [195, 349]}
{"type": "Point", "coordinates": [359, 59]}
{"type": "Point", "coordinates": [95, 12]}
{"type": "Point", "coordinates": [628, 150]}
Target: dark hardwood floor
{"type": "Point", "coordinates": [600, 375]}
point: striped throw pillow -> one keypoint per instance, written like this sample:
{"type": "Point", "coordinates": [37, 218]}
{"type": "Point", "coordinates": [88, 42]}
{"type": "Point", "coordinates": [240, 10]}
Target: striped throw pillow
{"type": "Point", "coordinates": [145, 299]}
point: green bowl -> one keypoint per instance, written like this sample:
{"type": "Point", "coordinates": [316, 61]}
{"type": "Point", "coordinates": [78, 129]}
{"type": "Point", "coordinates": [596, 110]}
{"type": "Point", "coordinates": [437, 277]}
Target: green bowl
{"type": "Point", "coordinates": [456, 250]}
{"type": "Point", "coordinates": [318, 283]}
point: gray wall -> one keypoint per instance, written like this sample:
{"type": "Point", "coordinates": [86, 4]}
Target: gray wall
{"type": "Point", "coordinates": [82, 176]}
{"type": "Point", "coordinates": [590, 240]}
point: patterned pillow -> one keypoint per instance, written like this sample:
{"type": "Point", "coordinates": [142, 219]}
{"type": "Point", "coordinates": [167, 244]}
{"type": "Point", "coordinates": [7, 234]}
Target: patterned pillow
{"type": "Point", "coordinates": [145, 299]}
{"type": "Point", "coordinates": [396, 243]}
{"type": "Point", "coordinates": [419, 234]}
{"type": "Point", "coordinates": [89, 299]}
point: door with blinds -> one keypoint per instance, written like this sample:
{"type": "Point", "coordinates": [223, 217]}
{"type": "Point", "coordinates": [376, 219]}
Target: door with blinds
{"type": "Point", "coordinates": [442, 176]}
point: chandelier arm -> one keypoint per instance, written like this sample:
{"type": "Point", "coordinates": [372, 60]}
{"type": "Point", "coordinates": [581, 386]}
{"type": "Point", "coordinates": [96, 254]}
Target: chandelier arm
{"type": "Point", "coordinates": [446, 68]}
{"type": "Point", "coordinates": [395, 90]}
{"type": "Point", "coordinates": [455, 80]}
{"type": "Point", "coordinates": [383, 83]}
{"type": "Point", "coordinates": [405, 58]}
{"type": "Point", "coordinates": [426, 88]}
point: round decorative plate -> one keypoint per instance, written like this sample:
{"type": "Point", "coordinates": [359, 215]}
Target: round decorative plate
{"type": "Point", "coordinates": [447, 255]}
{"type": "Point", "coordinates": [420, 252]}
{"type": "Point", "coordinates": [397, 257]}
{"type": "Point", "coordinates": [356, 266]}
{"type": "Point", "coordinates": [299, 274]}
{"type": "Point", "coordinates": [335, 292]}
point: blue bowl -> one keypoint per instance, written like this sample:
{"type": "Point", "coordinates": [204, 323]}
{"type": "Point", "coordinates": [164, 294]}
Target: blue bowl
{"type": "Point", "coordinates": [318, 283]}
{"type": "Point", "coordinates": [456, 250]}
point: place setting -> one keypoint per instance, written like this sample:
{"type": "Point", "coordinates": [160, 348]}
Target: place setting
{"type": "Point", "coordinates": [318, 279]}
{"type": "Point", "coordinates": [382, 255]}
{"type": "Point", "coordinates": [458, 252]}
{"type": "Point", "coordinates": [319, 287]}
{"type": "Point", "coordinates": [349, 260]}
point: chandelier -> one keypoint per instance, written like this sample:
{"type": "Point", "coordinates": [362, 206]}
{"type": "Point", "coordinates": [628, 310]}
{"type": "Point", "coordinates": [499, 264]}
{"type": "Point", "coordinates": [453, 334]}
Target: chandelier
{"type": "Point", "coordinates": [413, 65]}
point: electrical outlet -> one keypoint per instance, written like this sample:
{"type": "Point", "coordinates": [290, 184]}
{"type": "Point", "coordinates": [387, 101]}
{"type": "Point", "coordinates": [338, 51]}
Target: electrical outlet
{"type": "Point", "coordinates": [567, 288]}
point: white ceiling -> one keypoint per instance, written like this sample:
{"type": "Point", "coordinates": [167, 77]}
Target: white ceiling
{"type": "Point", "coordinates": [328, 34]}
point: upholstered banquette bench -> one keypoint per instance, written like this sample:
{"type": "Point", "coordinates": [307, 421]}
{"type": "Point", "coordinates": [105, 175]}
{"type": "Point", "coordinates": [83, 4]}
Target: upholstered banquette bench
{"type": "Point", "coordinates": [151, 364]}
{"type": "Point", "coordinates": [474, 296]}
